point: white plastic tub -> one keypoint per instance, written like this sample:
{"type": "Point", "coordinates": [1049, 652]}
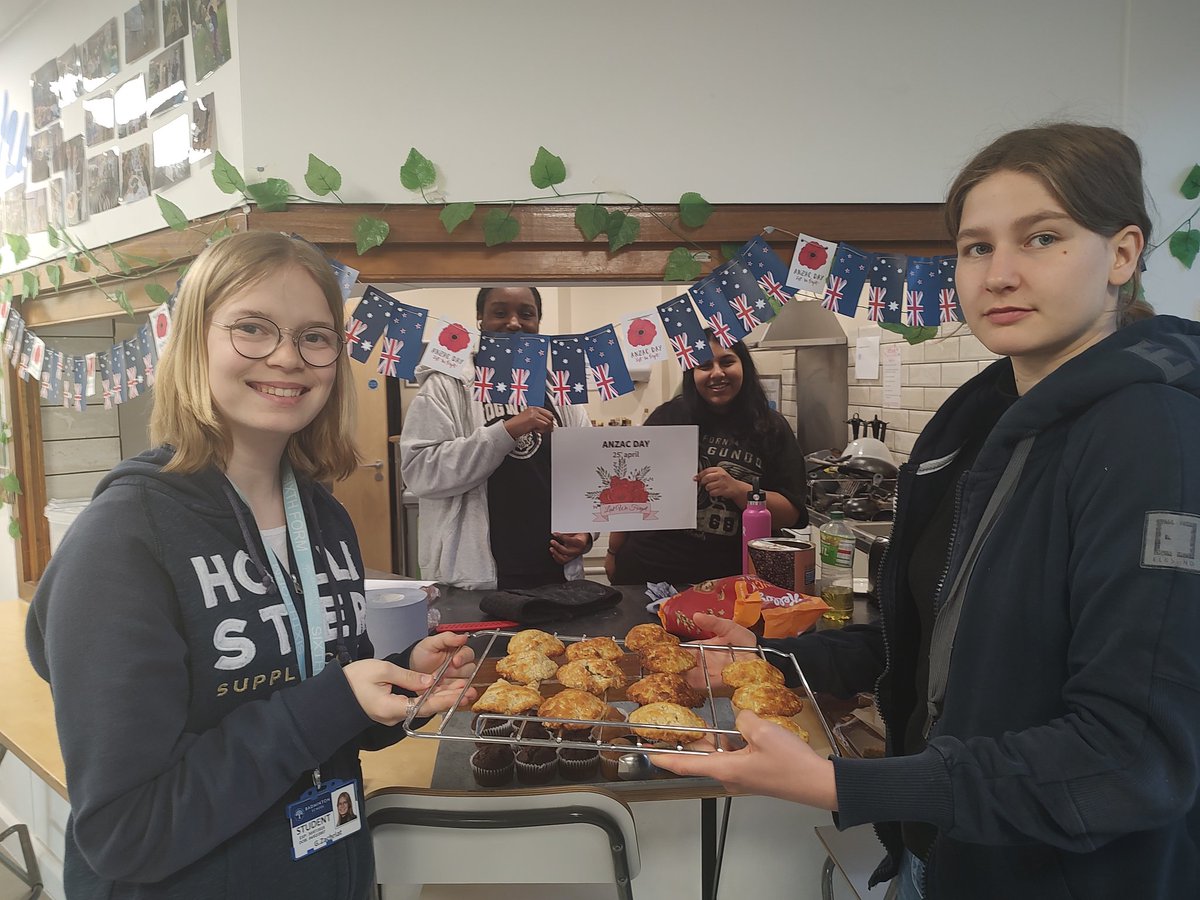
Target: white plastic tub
{"type": "Point", "coordinates": [397, 614]}
{"type": "Point", "coordinates": [60, 514]}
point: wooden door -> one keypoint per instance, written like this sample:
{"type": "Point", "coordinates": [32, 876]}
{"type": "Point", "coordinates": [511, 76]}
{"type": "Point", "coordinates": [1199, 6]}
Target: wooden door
{"type": "Point", "coordinates": [367, 494]}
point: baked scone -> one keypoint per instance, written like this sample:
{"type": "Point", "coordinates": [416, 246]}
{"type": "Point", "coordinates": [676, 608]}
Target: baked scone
{"type": "Point", "coordinates": [663, 687]}
{"type": "Point", "coordinates": [532, 639]}
{"type": "Point", "coordinates": [670, 714]}
{"type": "Point", "coordinates": [507, 699]}
{"type": "Point", "coordinates": [767, 700]}
{"type": "Point", "coordinates": [572, 704]}
{"type": "Point", "coordinates": [602, 647]}
{"type": "Point", "coordinates": [667, 658]}
{"type": "Point", "coordinates": [526, 667]}
{"type": "Point", "coordinates": [642, 636]}
{"type": "Point", "coordinates": [593, 675]}
{"type": "Point", "coordinates": [749, 671]}
{"type": "Point", "coordinates": [789, 724]}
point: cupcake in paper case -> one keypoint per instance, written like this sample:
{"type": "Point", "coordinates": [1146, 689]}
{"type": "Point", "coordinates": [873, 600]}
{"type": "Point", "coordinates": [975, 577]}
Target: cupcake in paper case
{"type": "Point", "coordinates": [486, 725]}
{"type": "Point", "coordinates": [610, 760]}
{"type": "Point", "coordinates": [578, 763]}
{"type": "Point", "coordinates": [536, 765]}
{"type": "Point", "coordinates": [492, 766]}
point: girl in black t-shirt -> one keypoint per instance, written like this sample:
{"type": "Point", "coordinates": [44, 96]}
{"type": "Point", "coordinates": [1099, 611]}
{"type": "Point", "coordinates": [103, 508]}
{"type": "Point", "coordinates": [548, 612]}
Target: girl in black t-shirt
{"type": "Point", "coordinates": [744, 446]}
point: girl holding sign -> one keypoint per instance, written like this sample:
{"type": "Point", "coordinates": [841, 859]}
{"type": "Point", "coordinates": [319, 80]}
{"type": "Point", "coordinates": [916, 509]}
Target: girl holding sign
{"type": "Point", "coordinates": [744, 446]}
{"type": "Point", "coordinates": [1036, 663]}
{"type": "Point", "coordinates": [202, 623]}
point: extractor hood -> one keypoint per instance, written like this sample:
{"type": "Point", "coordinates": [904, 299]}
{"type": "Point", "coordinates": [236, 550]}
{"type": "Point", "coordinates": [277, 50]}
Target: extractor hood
{"type": "Point", "coordinates": [801, 323]}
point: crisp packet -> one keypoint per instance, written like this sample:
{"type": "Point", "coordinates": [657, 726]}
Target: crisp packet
{"type": "Point", "coordinates": [765, 609]}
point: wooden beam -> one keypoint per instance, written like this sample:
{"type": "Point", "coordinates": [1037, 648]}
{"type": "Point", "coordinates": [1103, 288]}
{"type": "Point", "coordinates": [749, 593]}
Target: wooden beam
{"type": "Point", "coordinates": [33, 549]}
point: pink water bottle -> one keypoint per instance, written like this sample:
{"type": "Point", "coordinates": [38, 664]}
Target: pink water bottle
{"type": "Point", "coordinates": [756, 523]}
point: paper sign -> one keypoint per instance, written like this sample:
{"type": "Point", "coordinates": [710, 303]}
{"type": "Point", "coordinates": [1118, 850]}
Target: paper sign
{"type": "Point", "coordinates": [811, 262]}
{"type": "Point", "coordinates": [891, 375]}
{"type": "Point", "coordinates": [866, 357]}
{"type": "Point", "coordinates": [450, 346]}
{"type": "Point", "coordinates": [623, 479]}
{"type": "Point", "coordinates": [643, 336]}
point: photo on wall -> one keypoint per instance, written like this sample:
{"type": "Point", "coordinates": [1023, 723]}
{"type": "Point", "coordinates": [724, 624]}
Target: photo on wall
{"type": "Point", "coordinates": [45, 102]}
{"type": "Point", "coordinates": [166, 87]}
{"type": "Point", "coordinates": [75, 165]}
{"type": "Point", "coordinates": [14, 210]}
{"type": "Point", "coordinates": [36, 214]}
{"type": "Point", "coordinates": [174, 21]}
{"type": "Point", "coordinates": [54, 204]}
{"type": "Point", "coordinates": [46, 153]}
{"type": "Point", "coordinates": [98, 118]}
{"type": "Point", "coordinates": [171, 144]}
{"type": "Point", "coordinates": [68, 87]}
{"type": "Point", "coordinates": [103, 181]}
{"type": "Point", "coordinates": [135, 174]}
{"type": "Point", "coordinates": [129, 106]}
{"type": "Point", "coordinates": [210, 36]}
{"type": "Point", "coordinates": [99, 59]}
{"type": "Point", "coordinates": [204, 129]}
{"type": "Point", "coordinates": [141, 29]}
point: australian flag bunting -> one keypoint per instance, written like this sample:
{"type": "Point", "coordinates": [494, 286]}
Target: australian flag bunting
{"type": "Point", "coordinates": [847, 276]}
{"type": "Point", "coordinates": [685, 334]}
{"type": "Point", "coordinates": [606, 363]}
{"type": "Point", "coordinates": [44, 389]}
{"type": "Point", "coordinates": [947, 295]}
{"type": "Point", "coordinates": [744, 294]}
{"type": "Point", "coordinates": [528, 385]}
{"type": "Point", "coordinates": [717, 312]}
{"type": "Point", "coordinates": [400, 347]}
{"type": "Point", "coordinates": [568, 371]}
{"type": "Point", "coordinates": [116, 368]}
{"type": "Point", "coordinates": [53, 377]}
{"type": "Point", "coordinates": [14, 337]}
{"type": "Point", "coordinates": [146, 353]}
{"type": "Point", "coordinates": [769, 270]}
{"type": "Point", "coordinates": [887, 286]}
{"type": "Point", "coordinates": [135, 375]}
{"type": "Point", "coordinates": [369, 319]}
{"type": "Point", "coordinates": [919, 300]}
{"type": "Point", "coordinates": [493, 369]}
{"type": "Point", "coordinates": [77, 383]}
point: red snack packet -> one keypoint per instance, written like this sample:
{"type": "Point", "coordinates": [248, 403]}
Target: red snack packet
{"type": "Point", "coordinates": [765, 609]}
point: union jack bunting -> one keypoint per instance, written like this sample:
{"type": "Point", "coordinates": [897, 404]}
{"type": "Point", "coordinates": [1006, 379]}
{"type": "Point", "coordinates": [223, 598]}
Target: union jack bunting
{"type": "Point", "coordinates": [850, 269]}
{"type": "Point", "coordinates": [606, 363]}
{"type": "Point", "coordinates": [773, 288]}
{"type": "Point", "coordinates": [604, 382]}
{"type": "Point", "coordinates": [482, 389]}
{"type": "Point", "coordinates": [560, 388]}
{"type": "Point", "coordinates": [519, 387]}
{"type": "Point", "coordinates": [834, 291]}
{"type": "Point", "coordinates": [684, 353]}
{"type": "Point", "coordinates": [373, 313]}
{"type": "Point", "coordinates": [389, 356]}
{"type": "Point", "coordinates": [875, 301]}
{"type": "Point", "coordinates": [744, 312]}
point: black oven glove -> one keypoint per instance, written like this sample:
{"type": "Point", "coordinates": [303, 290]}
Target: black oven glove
{"type": "Point", "coordinates": [551, 603]}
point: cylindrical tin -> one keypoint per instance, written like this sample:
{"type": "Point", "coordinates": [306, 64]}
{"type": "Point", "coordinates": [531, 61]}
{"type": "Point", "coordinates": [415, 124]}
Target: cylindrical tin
{"type": "Point", "coordinates": [785, 562]}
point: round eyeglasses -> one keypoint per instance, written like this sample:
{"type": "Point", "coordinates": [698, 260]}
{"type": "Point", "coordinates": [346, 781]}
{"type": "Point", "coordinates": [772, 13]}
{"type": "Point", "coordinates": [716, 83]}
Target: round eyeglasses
{"type": "Point", "coordinates": [255, 337]}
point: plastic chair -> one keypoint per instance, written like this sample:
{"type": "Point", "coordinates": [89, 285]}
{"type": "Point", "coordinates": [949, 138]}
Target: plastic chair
{"type": "Point", "coordinates": [575, 836]}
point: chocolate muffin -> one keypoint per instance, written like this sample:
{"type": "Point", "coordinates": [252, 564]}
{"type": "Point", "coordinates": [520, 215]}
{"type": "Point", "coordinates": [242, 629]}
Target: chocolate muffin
{"type": "Point", "coordinates": [492, 766]}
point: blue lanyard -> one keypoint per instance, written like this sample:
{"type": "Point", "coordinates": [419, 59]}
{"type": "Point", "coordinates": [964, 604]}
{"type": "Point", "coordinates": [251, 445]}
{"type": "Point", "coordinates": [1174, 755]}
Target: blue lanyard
{"type": "Point", "coordinates": [314, 612]}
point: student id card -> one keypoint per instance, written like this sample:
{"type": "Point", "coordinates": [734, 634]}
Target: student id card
{"type": "Point", "coordinates": [323, 816]}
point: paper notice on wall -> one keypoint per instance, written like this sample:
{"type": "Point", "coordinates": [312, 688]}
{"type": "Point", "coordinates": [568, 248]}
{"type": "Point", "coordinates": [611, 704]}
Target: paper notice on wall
{"type": "Point", "coordinates": [890, 354]}
{"type": "Point", "coordinates": [623, 479]}
{"type": "Point", "coordinates": [866, 357]}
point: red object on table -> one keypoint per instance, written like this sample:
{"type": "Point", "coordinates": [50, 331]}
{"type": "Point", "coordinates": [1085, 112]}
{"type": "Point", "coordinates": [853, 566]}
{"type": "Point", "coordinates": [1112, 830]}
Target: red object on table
{"type": "Point", "coordinates": [477, 626]}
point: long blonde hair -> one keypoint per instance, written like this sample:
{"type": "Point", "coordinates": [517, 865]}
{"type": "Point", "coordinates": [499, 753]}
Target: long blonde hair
{"type": "Point", "coordinates": [184, 415]}
{"type": "Point", "coordinates": [1095, 172]}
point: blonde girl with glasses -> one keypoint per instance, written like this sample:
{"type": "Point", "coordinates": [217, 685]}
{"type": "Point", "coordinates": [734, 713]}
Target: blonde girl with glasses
{"type": "Point", "coordinates": [202, 623]}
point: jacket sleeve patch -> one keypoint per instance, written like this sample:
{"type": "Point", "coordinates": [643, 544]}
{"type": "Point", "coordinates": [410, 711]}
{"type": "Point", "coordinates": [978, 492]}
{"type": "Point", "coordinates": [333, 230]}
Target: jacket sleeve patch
{"type": "Point", "coordinates": [1171, 541]}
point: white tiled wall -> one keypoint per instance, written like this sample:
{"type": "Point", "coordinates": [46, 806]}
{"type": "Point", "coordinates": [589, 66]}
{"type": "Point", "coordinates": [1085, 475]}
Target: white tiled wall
{"type": "Point", "coordinates": [930, 372]}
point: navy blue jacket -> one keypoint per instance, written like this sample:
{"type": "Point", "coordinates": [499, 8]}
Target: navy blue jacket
{"type": "Point", "coordinates": [1063, 755]}
{"type": "Point", "coordinates": [184, 727]}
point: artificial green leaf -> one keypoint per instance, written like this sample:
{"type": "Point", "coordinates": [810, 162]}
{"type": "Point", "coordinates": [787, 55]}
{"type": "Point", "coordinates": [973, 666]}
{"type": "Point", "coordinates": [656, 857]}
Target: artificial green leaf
{"type": "Point", "coordinates": [909, 333]}
{"type": "Point", "coordinates": [52, 236]}
{"type": "Point", "coordinates": [591, 219]}
{"type": "Point", "coordinates": [226, 176]}
{"type": "Point", "coordinates": [1191, 185]}
{"type": "Point", "coordinates": [14, 529]}
{"type": "Point", "coordinates": [223, 232]}
{"type": "Point", "coordinates": [29, 285]}
{"type": "Point", "coordinates": [1185, 245]}
{"type": "Point", "coordinates": [6, 292]}
{"type": "Point", "coordinates": [183, 270]}
{"type": "Point", "coordinates": [122, 300]}
{"type": "Point", "coordinates": [694, 210]}
{"type": "Point", "coordinates": [19, 244]}
{"type": "Point", "coordinates": [321, 177]}
{"type": "Point", "coordinates": [681, 266]}
{"type": "Point", "coordinates": [729, 251]}
{"type": "Point", "coordinates": [547, 169]}
{"type": "Point", "coordinates": [454, 214]}
{"type": "Point", "coordinates": [369, 233]}
{"type": "Point", "coordinates": [141, 260]}
{"type": "Point", "coordinates": [158, 293]}
{"type": "Point", "coordinates": [75, 264]}
{"type": "Point", "coordinates": [54, 273]}
{"type": "Point", "coordinates": [171, 213]}
{"type": "Point", "coordinates": [122, 263]}
{"type": "Point", "coordinates": [499, 227]}
{"type": "Point", "coordinates": [417, 172]}
{"type": "Point", "coordinates": [270, 195]}
{"type": "Point", "coordinates": [621, 229]}
{"type": "Point", "coordinates": [10, 483]}
{"type": "Point", "coordinates": [91, 256]}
